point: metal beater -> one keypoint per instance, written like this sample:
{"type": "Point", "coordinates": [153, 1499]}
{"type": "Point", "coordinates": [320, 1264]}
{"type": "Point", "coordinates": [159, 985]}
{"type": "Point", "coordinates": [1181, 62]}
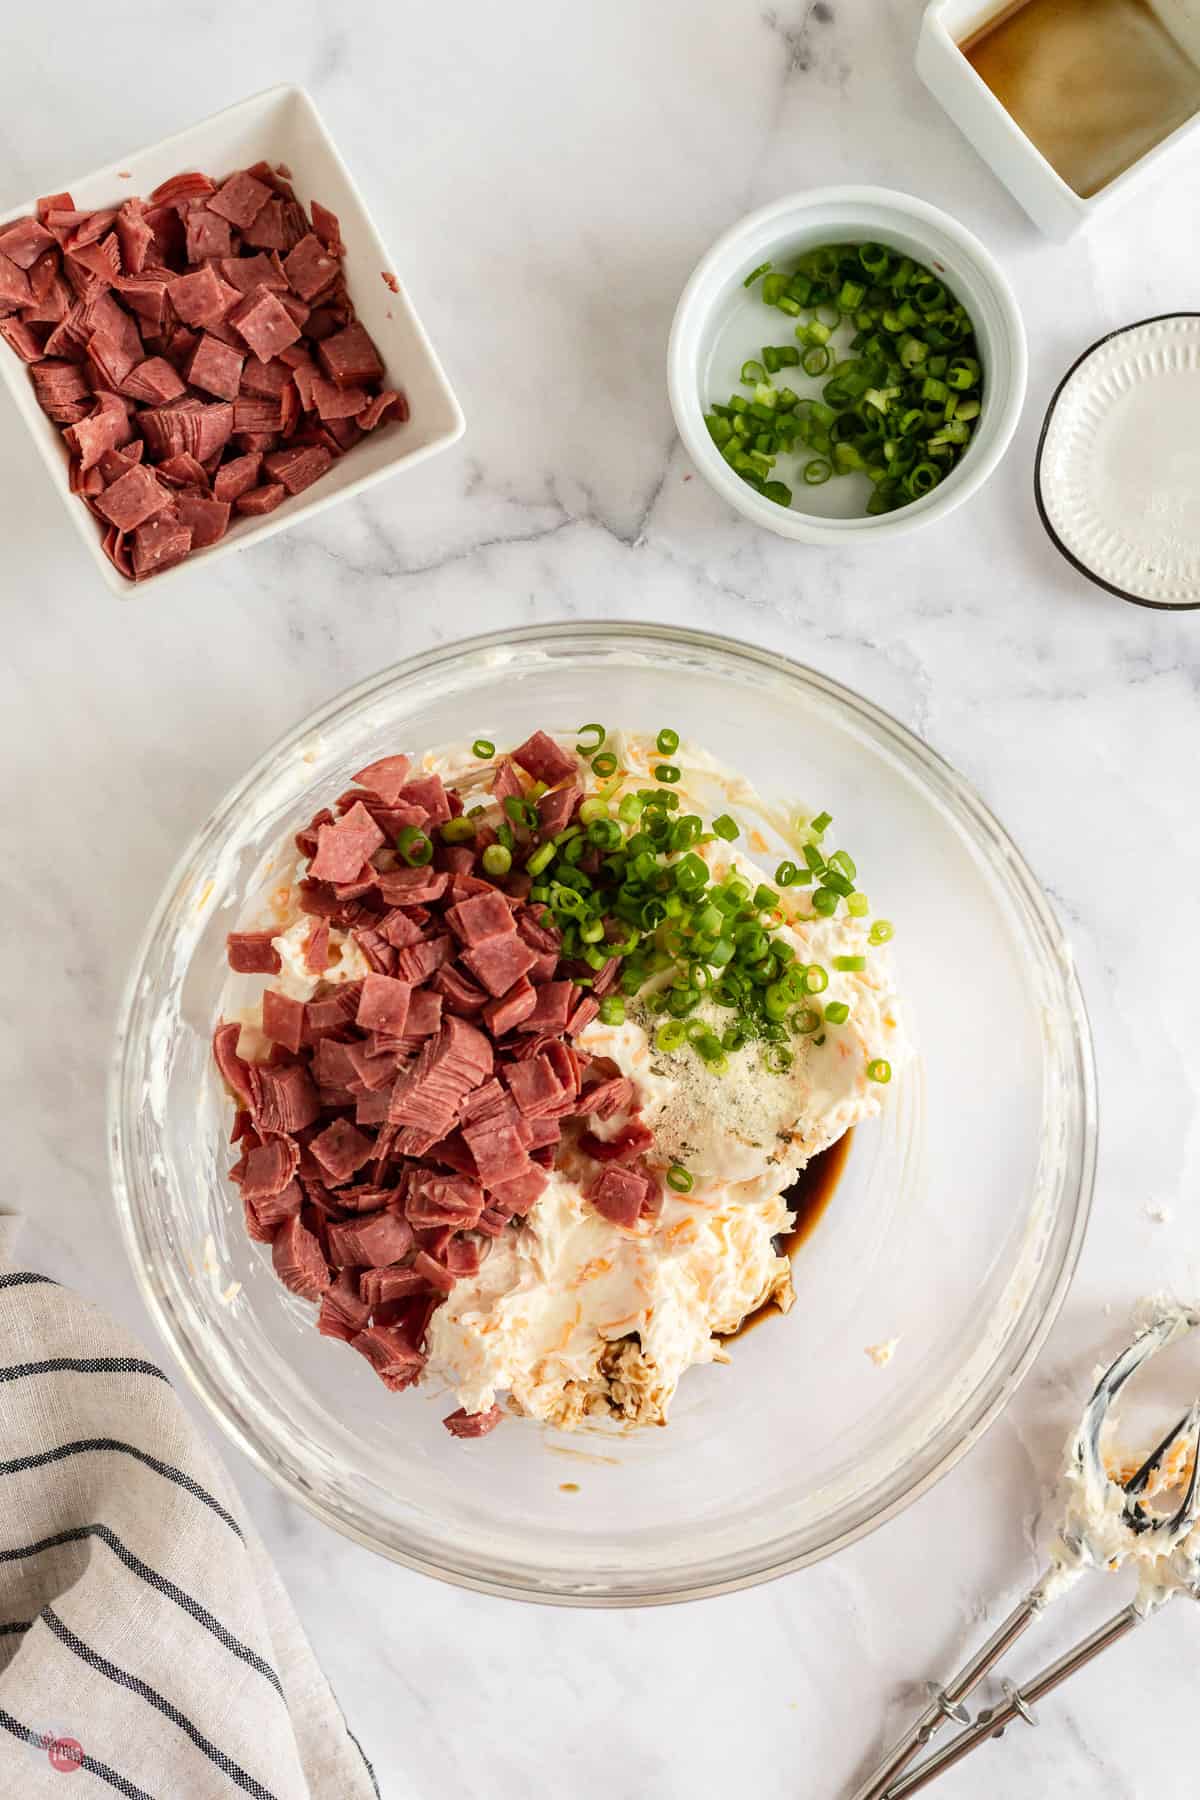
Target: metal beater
{"type": "Point", "coordinates": [1122, 1527]}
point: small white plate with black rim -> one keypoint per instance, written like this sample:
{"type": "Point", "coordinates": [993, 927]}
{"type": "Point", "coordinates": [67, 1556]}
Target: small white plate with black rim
{"type": "Point", "coordinates": [1117, 474]}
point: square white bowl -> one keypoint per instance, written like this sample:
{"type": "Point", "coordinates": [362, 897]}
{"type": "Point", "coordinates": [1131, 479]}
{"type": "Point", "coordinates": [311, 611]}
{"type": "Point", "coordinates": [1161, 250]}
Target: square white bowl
{"type": "Point", "coordinates": [280, 125]}
{"type": "Point", "coordinates": [1051, 202]}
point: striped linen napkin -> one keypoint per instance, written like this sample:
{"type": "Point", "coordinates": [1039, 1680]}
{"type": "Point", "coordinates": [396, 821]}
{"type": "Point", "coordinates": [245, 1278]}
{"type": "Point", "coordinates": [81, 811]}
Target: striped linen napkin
{"type": "Point", "coordinates": [145, 1637]}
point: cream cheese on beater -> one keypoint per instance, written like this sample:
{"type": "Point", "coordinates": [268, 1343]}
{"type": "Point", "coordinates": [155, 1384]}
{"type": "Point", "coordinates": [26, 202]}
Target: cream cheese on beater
{"type": "Point", "coordinates": [1095, 1529]}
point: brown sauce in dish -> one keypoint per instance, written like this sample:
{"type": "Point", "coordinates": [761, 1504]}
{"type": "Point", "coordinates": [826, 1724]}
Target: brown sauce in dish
{"type": "Point", "coordinates": [807, 1198]}
{"type": "Point", "coordinates": [1093, 84]}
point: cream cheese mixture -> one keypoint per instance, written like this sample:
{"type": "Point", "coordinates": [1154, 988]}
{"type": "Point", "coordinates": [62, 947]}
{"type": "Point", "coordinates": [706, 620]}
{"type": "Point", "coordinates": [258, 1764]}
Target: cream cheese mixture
{"type": "Point", "coordinates": [569, 1315]}
{"type": "Point", "coordinates": [574, 1316]}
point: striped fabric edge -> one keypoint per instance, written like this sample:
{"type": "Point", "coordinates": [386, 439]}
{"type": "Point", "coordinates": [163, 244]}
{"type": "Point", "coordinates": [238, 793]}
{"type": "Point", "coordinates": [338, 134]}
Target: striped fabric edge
{"type": "Point", "coordinates": [100, 1770]}
{"type": "Point", "coordinates": [130, 1365]}
{"type": "Point", "coordinates": [83, 1365]}
{"type": "Point", "coordinates": [132, 1684]}
{"type": "Point", "coordinates": [79, 1534]}
{"type": "Point", "coordinates": [89, 1446]}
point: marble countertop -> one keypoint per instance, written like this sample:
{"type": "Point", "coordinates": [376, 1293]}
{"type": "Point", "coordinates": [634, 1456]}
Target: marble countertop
{"type": "Point", "coordinates": [547, 175]}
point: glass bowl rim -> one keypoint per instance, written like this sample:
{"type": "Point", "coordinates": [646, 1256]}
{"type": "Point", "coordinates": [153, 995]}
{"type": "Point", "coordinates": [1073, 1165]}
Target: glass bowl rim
{"type": "Point", "coordinates": [883, 726]}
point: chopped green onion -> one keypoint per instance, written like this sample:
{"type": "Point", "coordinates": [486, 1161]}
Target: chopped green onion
{"type": "Point", "coordinates": [825, 902]}
{"type": "Point", "coordinates": [679, 1178]}
{"type": "Point", "coordinates": [686, 831]}
{"type": "Point", "coordinates": [837, 1012]}
{"type": "Point", "coordinates": [625, 881]}
{"type": "Point", "coordinates": [850, 965]}
{"type": "Point", "coordinates": [667, 742]}
{"type": "Point", "coordinates": [776, 1001]}
{"type": "Point", "coordinates": [921, 480]}
{"type": "Point", "coordinates": [457, 831]}
{"type": "Point", "coordinates": [604, 765]}
{"type": "Point", "coordinates": [897, 353]}
{"type": "Point", "coordinates": [879, 1070]}
{"type": "Point", "coordinates": [414, 847]}
{"type": "Point", "coordinates": [483, 748]}
{"type": "Point", "coordinates": [857, 905]}
{"type": "Point", "coordinates": [754, 274]}
{"type": "Point", "coordinates": [881, 931]}
{"type": "Point", "coordinates": [595, 733]}
{"type": "Point", "coordinates": [820, 825]}
{"type": "Point", "coordinates": [541, 859]}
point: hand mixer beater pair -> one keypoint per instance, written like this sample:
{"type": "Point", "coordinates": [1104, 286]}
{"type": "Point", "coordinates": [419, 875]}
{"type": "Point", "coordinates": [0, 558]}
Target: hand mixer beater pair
{"type": "Point", "coordinates": [1106, 1524]}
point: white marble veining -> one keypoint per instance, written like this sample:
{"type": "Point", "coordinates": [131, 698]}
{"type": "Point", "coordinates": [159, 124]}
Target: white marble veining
{"type": "Point", "coordinates": [547, 174]}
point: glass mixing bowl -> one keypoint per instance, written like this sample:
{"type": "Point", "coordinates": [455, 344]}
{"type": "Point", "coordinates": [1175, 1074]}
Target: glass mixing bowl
{"type": "Point", "coordinates": [955, 1227]}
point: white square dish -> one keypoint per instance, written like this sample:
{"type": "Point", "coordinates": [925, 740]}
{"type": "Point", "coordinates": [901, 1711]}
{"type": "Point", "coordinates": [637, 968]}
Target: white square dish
{"type": "Point", "coordinates": [279, 126]}
{"type": "Point", "coordinates": [1051, 202]}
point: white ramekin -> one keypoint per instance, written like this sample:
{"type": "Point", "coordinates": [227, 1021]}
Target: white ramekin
{"type": "Point", "coordinates": [781, 232]}
{"type": "Point", "coordinates": [1051, 202]}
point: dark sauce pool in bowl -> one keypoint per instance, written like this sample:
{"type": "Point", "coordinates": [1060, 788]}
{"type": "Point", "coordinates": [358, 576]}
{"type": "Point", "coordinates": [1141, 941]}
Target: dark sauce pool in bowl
{"type": "Point", "coordinates": [807, 1198]}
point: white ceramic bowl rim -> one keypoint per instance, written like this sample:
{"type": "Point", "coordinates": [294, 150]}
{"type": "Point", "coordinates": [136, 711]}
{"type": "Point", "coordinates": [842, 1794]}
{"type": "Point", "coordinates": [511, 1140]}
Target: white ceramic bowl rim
{"type": "Point", "coordinates": [737, 251]}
